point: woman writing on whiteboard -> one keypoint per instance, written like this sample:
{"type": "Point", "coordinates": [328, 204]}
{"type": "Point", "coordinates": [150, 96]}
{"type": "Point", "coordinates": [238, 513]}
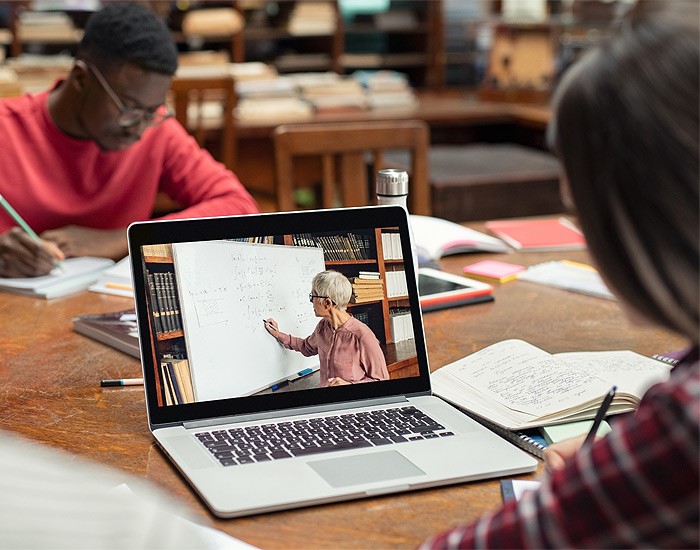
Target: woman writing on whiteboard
{"type": "Point", "coordinates": [347, 349]}
{"type": "Point", "coordinates": [626, 128]}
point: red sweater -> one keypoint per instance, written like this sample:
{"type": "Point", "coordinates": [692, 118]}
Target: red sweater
{"type": "Point", "coordinates": [53, 180]}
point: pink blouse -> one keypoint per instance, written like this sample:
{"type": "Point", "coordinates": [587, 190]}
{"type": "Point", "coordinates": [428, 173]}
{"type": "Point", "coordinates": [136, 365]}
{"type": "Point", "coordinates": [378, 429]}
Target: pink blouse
{"type": "Point", "coordinates": [351, 352]}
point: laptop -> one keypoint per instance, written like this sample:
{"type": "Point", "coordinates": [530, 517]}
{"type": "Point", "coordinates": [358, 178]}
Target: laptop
{"type": "Point", "coordinates": [236, 411]}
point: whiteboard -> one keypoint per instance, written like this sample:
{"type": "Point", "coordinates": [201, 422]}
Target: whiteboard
{"type": "Point", "coordinates": [226, 289]}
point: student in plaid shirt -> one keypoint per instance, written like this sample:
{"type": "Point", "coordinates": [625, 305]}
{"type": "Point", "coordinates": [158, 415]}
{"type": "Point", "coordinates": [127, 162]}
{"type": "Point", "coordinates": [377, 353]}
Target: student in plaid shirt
{"type": "Point", "coordinates": [626, 128]}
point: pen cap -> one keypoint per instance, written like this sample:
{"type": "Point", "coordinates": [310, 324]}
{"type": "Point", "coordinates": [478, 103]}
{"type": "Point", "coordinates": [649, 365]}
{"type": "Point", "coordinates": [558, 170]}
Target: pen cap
{"type": "Point", "coordinates": [392, 182]}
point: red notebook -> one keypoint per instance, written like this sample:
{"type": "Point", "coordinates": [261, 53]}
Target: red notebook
{"type": "Point", "coordinates": [544, 234]}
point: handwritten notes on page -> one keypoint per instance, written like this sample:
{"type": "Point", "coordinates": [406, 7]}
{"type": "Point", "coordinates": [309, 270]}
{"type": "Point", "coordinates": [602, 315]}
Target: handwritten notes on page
{"type": "Point", "coordinates": [517, 385]}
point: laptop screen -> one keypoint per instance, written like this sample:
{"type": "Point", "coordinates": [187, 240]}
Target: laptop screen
{"type": "Point", "coordinates": [251, 314]}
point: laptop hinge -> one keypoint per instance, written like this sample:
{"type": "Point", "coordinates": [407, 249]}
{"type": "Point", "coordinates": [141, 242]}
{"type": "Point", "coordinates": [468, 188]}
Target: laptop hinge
{"type": "Point", "coordinates": [269, 415]}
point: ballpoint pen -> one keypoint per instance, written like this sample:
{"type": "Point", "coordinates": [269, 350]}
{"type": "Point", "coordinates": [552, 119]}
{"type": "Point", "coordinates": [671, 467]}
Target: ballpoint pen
{"type": "Point", "coordinates": [600, 415]}
{"type": "Point", "coordinates": [122, 382]}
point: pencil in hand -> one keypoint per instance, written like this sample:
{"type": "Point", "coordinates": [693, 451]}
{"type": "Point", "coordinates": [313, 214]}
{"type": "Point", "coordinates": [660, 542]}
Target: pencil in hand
{"type": "Point", "coordinates": [49, 247]}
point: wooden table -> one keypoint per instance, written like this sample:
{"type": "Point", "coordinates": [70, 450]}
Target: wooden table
{"type": "Point", "coordinates": [49, 392]}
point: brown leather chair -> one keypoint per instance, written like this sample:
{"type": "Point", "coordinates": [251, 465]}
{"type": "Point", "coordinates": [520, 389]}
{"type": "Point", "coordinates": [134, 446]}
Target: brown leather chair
{"type": "Point", "coordinates": [343, 148]}
{"type": "Point", "coordinates": [193, 98]}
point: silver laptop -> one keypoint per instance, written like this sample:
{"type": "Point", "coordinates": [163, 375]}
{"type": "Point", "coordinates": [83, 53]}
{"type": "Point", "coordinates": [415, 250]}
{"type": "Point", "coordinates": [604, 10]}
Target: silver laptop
{"type": "Point", "coordinates": [236, 412]}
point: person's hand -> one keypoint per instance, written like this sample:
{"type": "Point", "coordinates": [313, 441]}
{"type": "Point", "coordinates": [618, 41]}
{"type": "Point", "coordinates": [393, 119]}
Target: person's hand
{"type": "Point", "coordinates": [23, 256]}
{"type": "Point", "coordinates": [75, 241]}
{"type": "Point", "coordinates": [338, 382]}
{"type": "Point", "coordinates": [556, 455]}
{"type": "Point", "coordinates": [272, 327]}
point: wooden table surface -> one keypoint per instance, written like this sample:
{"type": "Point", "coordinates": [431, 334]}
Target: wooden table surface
{"type": "Point", "coordinates": [50, 392]}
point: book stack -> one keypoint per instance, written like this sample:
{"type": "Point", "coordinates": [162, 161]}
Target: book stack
{"type": "Point", "coordinates": [312, 18]}
{"type": "Point", "coordinates": [37, 72]}
{"type": "Point", "coordinates": [367, 287]}
{"type": "Point", "coordinates": [272, 108]}
{"type": "Point", "coordinates": [340, 95]}
{"type": "Point", "coordinates": [386, 89]}
{"type": "Point", "coordinates": [47, 27]}
{"type": "Point", "coordinates": [116, 329]}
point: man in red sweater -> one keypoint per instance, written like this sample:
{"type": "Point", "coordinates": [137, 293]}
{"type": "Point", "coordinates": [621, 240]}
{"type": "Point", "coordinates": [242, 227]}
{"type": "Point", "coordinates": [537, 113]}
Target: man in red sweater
{"type": "Point", "coordinates": [83, 160]}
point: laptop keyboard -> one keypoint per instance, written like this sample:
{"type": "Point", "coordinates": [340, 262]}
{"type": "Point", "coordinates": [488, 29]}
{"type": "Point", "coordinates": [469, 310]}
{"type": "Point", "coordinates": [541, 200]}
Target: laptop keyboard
{"type": "Point", "coordinates": [265, 442]}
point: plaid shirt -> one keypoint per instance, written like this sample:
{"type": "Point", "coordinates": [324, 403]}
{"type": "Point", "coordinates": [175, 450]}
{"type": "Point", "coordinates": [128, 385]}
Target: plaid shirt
{"type": "Point", "coordinates": [636, 487]}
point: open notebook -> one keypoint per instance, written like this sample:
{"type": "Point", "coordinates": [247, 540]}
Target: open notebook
{"type": "Point", "coordinates": [237, 412]}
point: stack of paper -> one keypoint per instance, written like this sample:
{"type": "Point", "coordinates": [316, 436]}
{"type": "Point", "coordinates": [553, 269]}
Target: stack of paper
{"type": "Point", "coordinates": [116, 280]}
{"type": "Point", "coordinates": [567, 275]}
{"type": "Point", "coordinates": [74, 275]}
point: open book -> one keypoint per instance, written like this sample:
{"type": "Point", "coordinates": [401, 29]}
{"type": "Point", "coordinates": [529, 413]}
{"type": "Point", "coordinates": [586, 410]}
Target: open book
{"type": "Point", "coordinates": [517, 385]}
{"type": "Point", "coordinates": [435, 238]}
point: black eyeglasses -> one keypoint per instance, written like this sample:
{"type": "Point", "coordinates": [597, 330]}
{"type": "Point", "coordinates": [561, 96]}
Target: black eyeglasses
{"type": "Point", "coordinates": [130, 116]}
{"type": "Point", "coordinates": [312, 296]}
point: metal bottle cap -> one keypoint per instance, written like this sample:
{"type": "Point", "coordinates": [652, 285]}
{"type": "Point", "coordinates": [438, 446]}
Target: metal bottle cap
{"type": "Point", "coordinates": [392, 182]}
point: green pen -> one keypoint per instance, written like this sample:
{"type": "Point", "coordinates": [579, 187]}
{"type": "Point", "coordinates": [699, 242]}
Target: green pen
{"type": "Point", "coordinates": [24, 225]}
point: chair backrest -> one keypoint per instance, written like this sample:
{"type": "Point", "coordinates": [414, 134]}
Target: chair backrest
{"type": "Point", "coordinates": [204, 106]}
{"type": "Point", "coordinates": [343, 148]}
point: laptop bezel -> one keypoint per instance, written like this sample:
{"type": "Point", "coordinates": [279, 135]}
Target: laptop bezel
{"type": "Point", "coordinates": [310, 221]}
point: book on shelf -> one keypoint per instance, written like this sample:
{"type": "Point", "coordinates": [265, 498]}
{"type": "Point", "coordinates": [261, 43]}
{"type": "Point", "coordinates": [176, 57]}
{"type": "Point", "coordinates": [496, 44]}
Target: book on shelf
{"type": "Point", "coordinates": [401, 323]}
{"type": "Point", "coordinates": [493, 271]}
{"type": "Point", "coordinates": [177, 381]}
{"type": "Point", "coordinates": [348, 247]}
{"type": "Point", "coordinates": [74, 275]}
{"type": "Point", "coordinates": [516, 385]}
{"type": "Point", "coordinates": [435, 238]}
{"type": "Point", "coordinates": [117, 329]}
{"type": "Point", "coordinates": [396, 284]}
{"type": "Point", "coordinates": [539, 234]}
{"type": "Point", "coordinates": [165, 304]}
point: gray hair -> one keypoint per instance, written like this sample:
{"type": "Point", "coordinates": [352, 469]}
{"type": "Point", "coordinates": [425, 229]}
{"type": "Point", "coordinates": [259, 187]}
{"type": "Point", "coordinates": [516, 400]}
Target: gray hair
{"type": "Point", "coordinates": [334, 285]}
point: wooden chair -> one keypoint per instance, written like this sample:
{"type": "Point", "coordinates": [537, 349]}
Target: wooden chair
{"type": "Point", "coordinates": [343, 148]}
{"type": "Point", "coordinates": [195, 98]}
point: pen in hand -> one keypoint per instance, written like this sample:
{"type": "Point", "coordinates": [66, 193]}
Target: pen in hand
{"type": "Point", "coordinates": [600, 415]}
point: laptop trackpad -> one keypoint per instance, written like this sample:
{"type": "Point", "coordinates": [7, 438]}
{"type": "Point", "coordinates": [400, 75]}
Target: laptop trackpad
{"type": "Point", "coordinates": [366, 468]}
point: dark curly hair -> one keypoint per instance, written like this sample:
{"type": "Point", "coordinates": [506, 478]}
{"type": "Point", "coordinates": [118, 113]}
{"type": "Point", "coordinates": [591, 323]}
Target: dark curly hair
{"type": "Point", "coordinates": [126, 32]}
